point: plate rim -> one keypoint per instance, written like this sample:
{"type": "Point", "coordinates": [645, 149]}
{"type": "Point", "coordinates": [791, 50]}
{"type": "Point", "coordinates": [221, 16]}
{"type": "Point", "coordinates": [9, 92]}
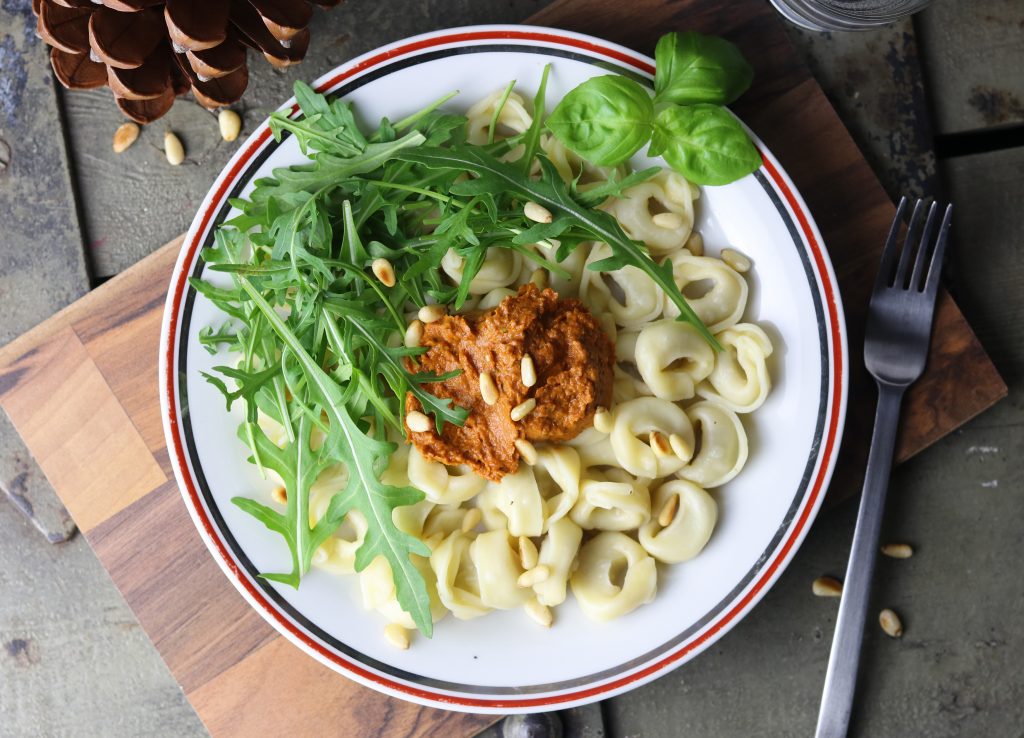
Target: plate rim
{"type": "Point", "coordinates": [738, 607]}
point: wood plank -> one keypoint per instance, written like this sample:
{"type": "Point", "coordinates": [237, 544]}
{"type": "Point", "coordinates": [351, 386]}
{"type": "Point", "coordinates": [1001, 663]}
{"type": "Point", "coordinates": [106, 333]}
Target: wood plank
{"type": "Point", "coordinates": [974, 59]}
{"type": "Point", "coordinates": [82, 437]}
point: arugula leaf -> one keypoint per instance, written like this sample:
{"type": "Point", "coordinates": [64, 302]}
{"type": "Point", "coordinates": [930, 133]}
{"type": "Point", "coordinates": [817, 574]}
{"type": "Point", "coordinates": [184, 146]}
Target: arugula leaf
{"type": "Point", "coordinates": [705, 144]}
{"type": "Point", "coordinates": [605, 120]}
{"type": "Point", "coordinates": [365, 457]}
{"type": "Point", "coordinates": [496, 177]}
{"type": "Point", "coordinates": [692, 68]}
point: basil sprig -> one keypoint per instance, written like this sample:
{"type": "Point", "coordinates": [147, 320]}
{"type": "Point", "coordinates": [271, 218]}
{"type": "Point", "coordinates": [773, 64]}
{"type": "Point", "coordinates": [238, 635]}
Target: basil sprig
{"type": "Point", "coordinates": [608, 119]}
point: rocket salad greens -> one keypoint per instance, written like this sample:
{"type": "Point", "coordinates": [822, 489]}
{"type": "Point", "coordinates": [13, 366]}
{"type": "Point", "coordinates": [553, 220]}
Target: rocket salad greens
{"type": "Point", "coordinates": [316, 331]}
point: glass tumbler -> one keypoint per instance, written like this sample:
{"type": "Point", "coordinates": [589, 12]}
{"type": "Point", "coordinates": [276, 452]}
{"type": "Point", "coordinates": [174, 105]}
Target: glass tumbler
{"type": "Point", "coordinates": [846, 15]}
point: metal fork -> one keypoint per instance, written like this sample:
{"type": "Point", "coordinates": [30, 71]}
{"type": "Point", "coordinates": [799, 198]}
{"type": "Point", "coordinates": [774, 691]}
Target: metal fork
{"type": "Point", "coordinates": [895, 351]}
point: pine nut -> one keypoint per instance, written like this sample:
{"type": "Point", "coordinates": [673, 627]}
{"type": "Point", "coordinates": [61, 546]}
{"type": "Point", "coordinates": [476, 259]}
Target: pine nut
{"type": "Point", "coordinates": [659, 444]}
{"type": "Point", "coordinates": [417, 422]}
{"type": "Point", "coordinates": [891, 623]}
{"type": "Point", "coordinates": [432, 313]}
{"type": "Point", "coordinates": [527, 450]}
{"type": "Point", "coordinates": [668, 512]}
{"type": "Point", "coordinates": [680, 446]}
{"type": "Point", "coordinates": [536, 575]}
{"type": "Point", "coordinates": [397, 636]}
{"type": "Point", "coordinates": [230, 124]}
{"type": "Point", "coordinates": [537, 212]}
{"type": "Point", "coordinates": [279, 495]}
{"type": "Point", "coordinates": [488, 389]}
{"type": "Point", "coordinates": [827, 587]}
{"type": "Point", "coordinates": [528, 370]}
{"type": "Point", "coordinates": [897, 550]}
{"type": "Point", "coordinates": [414, 334]}
{"type": "Point", "coordinates": [173, 149]}
{"type": "Point", "coordinates": [125, 136]}
{"type": "Point", "coordinates": [668, 221]}
{"type": "Point", "coordinates": [603, 420]}
{"type": "Point", "coordinates": [383, 271]}
{"type": "Point", "coordinates": [523, 409]}
{"type": "Point", "coordinates": [527, 553]}
{"type": "Point", "coordinates": [539, 278]}
{"type": "Point", "coordinates": [538, 612]}
{"type": "Point", "coordinates": [736, 260]}
{"type": "Point", "coordinates": [472, 519]}
{"type": "Point", "coordinates": [695, 244]}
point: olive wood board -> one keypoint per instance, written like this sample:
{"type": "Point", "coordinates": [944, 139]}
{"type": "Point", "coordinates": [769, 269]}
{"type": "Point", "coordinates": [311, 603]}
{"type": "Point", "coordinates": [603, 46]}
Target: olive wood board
{"type": "Point", "coordinates": [81, 389]}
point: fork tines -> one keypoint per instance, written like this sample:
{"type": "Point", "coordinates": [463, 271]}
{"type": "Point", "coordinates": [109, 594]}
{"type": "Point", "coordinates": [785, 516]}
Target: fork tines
{"type": "Point", "coordinates": [922, 249]}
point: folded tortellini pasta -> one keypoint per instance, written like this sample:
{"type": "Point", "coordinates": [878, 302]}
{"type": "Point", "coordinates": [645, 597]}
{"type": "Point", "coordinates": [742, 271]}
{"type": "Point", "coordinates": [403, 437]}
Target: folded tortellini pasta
{"type": "Point", "coordinates": [615, 576]}
{"type": "Point", "coordinates": [740, 378]}
{"type": "Point", "coordinates": [690, 527]}
{"type": "Point", "coordinates": [528, 501]}
{"type": "Point", "coordinates": [637, 208]}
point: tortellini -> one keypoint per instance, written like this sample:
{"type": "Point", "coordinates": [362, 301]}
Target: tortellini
{"type": "Point", "coordinates": [497, 571]}
{"type": "Point", "coordinates": [611, 500]}
{"type": "Point", "coordinates": [722, 448]}
{"type": "Point", "coordinates": [690, 528]}
{"type": "Point", "coordinates": [458, 584]}
{"type": "Point", "coordinates": [672, 358]}
{"type": "Point", "coordinates": [667, 192]}
{"type": "Point", "coordinates": [628, 294]}
{"type": "Point", "coordinates": [378, 590]}
{"type": "Point", "coordinates": [558, 553]}
{"type": "Point", "coordinates": [500, 268]}
{"type": "Point", "coordinates": [740, 378]}
{"type": "Point", "coordinates": [634, 422]}
{"type": "Point", "coordinates": [570, 167]}
{"type": "Point", "coordinates": [513, 118]}
{"type": "Point", "coordinates": [442, 484]}
{"type": "Point", "coordinates": [532, 498]}
{"type": "Point", "coordinates": [615, 576]}
{"type": "Point", "coordinates": [715, 291]}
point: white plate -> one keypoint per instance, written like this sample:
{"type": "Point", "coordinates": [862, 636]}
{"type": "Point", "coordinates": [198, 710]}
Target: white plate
{"type": "Point", "coordinates": [504, 662]}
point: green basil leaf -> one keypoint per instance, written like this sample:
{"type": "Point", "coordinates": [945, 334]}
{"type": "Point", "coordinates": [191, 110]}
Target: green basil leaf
{"type": "Point", "coordinates": [691, 68]}
{"type": "Point", "coordinates": [704, 143]}
{"type": "Point", "coordinates": [605, 120]}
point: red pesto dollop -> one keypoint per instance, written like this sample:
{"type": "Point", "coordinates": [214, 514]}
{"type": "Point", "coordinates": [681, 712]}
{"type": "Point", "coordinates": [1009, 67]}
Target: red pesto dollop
{"type": "Point", "coordinates": [574, 361]}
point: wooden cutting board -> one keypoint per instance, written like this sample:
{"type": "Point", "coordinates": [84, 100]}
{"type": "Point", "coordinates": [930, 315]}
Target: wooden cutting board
{"type": "Point", "coordinates": [82, 390]}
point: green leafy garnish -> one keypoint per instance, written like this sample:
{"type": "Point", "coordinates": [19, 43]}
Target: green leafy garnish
{"type": "Point", "coordinates": [607, 119]}
{"type": "Point", "coordinates": [693, 68]}
{"type": "Point", "coordinates": [704, 143]}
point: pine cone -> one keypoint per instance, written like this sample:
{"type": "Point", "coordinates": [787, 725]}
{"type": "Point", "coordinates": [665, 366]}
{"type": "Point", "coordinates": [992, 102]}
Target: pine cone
{"type": "Point", "coordinates": [149, 51]}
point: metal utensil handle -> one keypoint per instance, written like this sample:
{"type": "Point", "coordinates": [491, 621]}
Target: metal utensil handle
{"type": "Point", "coordinates": [841, 677]}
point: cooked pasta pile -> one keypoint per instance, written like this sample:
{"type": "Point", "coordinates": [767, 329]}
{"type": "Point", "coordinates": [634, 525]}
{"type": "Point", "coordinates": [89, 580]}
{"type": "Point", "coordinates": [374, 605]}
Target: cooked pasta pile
{"type": "Point", "coordinates": [597, 515]}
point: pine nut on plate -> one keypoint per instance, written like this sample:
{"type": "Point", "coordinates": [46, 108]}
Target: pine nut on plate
{"type": "Point", "coordinates": [537, 212]}
{"type": "Point", "coordinates": [736, 260]}
{"type": "Point", "coordinates": [396, 635]}
{"type": "Point", "coordinates": [528, 371]}
{"type": "Point", "coordinates": [539, 613]}
{"type": "Point", "coordinates": [668, 221]}
{"type": "Point", "coordinates": [488, 389]}
{"type": "Point", "coordinates": [432, 313]}
{"type": "Point", "coordinates": [527, 450]}
{"type": "Point", "coordinates": [383, 271]}
{"type": "Point", "coordinates": [414, 333]}
{"type": "Point", "coordinates": [418, 422]}
{"type": "Point", "coordinates": [523, 409]}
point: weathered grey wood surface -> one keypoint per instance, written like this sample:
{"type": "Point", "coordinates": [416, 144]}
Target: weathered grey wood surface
{"type": "Point", "coordinates": [72, 661]}
{"type": "Point", "coordinates": [973, 54]}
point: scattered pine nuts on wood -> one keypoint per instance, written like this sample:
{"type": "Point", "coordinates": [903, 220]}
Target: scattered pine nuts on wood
{"type": "Point", "coordinates": [897, 550]}
{"type": "Point", "coordinates": [827, 587]}
{"type": "Point", "coordinates": [173, 149]}
{"type": "Point", "coordinates": [125, 136]}
{"type": "Point", "coordinates": [891, 623]}
{"type": "Point", "coordinates": [230, 124]}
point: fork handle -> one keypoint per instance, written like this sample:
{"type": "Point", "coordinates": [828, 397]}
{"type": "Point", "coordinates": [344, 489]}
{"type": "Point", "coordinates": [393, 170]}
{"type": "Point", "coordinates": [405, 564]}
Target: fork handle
{"type": "Point", "coordinates": [841, 677]}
